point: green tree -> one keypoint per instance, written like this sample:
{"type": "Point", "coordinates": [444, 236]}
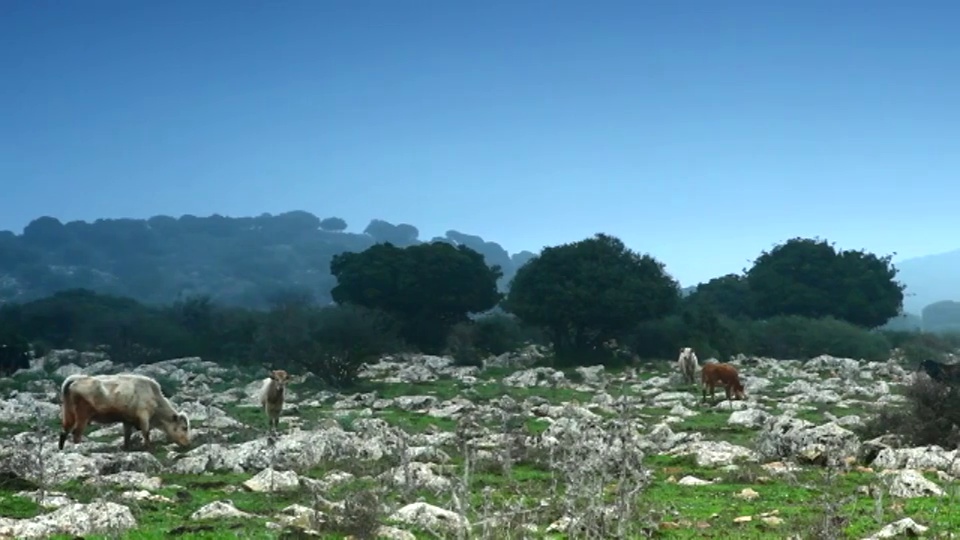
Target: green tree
{"type": "Point", "coordinates": [588, 292]}
{"type": "Point", "coordinates": [428, 288]}
{"type": "Point", "coordinates": [809, 278]}
{"type": "Point", "coordinates": [726, 295]}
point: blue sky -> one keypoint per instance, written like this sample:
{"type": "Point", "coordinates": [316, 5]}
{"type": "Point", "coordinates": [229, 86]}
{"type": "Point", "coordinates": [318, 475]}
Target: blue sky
{"type": "Point", "coordinates": [700, 132]}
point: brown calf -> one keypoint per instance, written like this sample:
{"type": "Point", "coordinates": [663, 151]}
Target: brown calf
{"type": "Point", "coordinates": [714, 373]}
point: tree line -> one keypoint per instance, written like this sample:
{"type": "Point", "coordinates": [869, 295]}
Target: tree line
{"type": "Point", "coordinates": [592, 300]}
{"type": "Point", "coordinates": [242, 261]}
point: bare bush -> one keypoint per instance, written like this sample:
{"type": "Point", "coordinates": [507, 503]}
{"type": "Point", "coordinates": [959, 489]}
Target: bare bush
{"type": "Point", "coordinates": [931, 415]}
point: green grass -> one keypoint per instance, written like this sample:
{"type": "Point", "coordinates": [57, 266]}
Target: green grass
{"type": "Point", "coordinates": [713, 425]}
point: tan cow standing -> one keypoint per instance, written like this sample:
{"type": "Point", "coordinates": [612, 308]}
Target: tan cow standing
{"type": "Point", "coordinates": [272, 395]}
{"type": "Point", "coordinates": [134, 400]}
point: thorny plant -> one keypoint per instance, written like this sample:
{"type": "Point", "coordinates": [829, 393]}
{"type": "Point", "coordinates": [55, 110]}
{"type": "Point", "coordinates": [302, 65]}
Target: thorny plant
{"type": "Point", "coordinates": [599, 473]}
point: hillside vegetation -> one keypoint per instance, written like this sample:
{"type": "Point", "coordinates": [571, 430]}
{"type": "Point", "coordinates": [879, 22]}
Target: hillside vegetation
{"type": "Point", "coordinates": [591, 301]}
{"type": "Point", "coordinates": [243, 261]}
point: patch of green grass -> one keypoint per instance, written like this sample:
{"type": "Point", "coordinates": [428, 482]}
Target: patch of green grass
{"type": "Point", "coordinates": [15, 507]}
{"type": "Point", "coordinates": [713, 425]}
{"type": "Point", "coordinates": [489, 391]}
{"type": "Point", "coordinates": [818, 416]}
{"type": "Point", "coordinates": [443, 389]}
{"type": "Point", "coordinates": [415, 422]}
{"type": "Point", "coordinates": [535, 426]}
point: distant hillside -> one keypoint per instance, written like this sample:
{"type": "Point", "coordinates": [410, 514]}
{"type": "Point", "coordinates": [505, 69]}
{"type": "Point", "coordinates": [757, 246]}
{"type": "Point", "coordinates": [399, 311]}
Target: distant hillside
{"type": "Point", "coordinates": [242, 261]}
{"type": "Point", "coordinates": [930, 279]}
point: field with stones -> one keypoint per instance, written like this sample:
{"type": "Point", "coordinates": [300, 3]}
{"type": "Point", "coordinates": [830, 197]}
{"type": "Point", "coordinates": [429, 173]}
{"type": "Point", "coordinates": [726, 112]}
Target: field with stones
{"type": "Point", "coordinates": [429, 450]}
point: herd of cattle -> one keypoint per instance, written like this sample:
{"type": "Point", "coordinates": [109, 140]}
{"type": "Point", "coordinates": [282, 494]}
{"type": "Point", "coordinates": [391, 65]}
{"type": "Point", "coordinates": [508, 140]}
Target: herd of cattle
{"type": "Point", "coordinates": [137, 402]}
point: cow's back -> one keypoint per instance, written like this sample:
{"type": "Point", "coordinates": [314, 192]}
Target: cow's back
{"type": "Point", "coordinates": [130, 391]}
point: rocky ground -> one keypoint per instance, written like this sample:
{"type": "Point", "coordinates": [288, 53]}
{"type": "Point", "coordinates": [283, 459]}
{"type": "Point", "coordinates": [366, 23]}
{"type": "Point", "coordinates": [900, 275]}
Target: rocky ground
{"type": "Point", "coordinates": [431, 450]}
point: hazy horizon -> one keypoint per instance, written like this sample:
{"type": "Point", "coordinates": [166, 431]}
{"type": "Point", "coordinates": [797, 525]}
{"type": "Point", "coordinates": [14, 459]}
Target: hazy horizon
{"type": "Point", "coordinates": [701, 134]}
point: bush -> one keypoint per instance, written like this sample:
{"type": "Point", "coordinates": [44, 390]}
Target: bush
{"type": "Point", "coordinates": [710, 335]}
{"type": "Point", "coordinates": [14, 352]}
{"type": "Point", "coordinates": [469, 342]}
{"type": "Point", "coordinates": [660, 338]}
{"type": "Point", "coordinates": [331, 342]}
{"type": "Point", "coordinates": [462, 345]}
{"type": "Point", "coordinates": [801, 337]}
{"type": "Point", "coordinates": [349, 336]}
{"type": "Point", "coordinates": [930, 415]}
{"type": "Point", "coordinates": [498, 333]}
{"type": "Point", "coordinates": [778, 337]}
{"type": "Point", "coordinates": [919, 346]}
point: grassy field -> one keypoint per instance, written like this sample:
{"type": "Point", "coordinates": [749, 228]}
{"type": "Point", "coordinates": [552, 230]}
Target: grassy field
{"type": "Point", "coordinates": [518, 489]}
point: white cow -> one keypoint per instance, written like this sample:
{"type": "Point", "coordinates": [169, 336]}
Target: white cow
{"type": "Point", "coordinates": [688, 364]}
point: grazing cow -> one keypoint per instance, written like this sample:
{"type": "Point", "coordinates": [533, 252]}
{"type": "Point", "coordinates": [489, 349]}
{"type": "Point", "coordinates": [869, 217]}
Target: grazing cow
{"type": "Point", "coordinates": [272, 394]}
{"type": "Point", "coordinates": [944, 373]}
{"type": "Point", "coordinates": [128, 398]}
{"type": "Point", "coordinates": [688, 364]}
{"type": "Point", "coordinates": [714, 373]}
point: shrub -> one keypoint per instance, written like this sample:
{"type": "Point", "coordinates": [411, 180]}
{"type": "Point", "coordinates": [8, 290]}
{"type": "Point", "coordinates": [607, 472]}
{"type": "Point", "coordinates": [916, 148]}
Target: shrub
{"type": "Point", "coordinates": [494, 334]}
{"type": "Point", "coordinates": [331, 342]}
{"type": "Point", "coordinates": [709, 334]}
{"type": "Point", "coordinates": [919, 346]}
{"type": "Point", "coordinates": [801, 337]}
{"type": "Point", "coordinates": [498, 333]}
{"type": "Point", "coordinates": [14, 352]}
{"type": "Point", "coordinates": [660, 338]}
{"type": "Point", "coordinates": [349, 336]}
{"type": "Point", "coordinates": [930, 415]}
{"type": "Point", "coordinates": [461, 345]}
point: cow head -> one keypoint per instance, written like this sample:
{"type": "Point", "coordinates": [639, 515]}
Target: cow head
{"type": "Point", "coordinates": [178, 429]}
{"type": "Point", "coordinates": [280, 379]}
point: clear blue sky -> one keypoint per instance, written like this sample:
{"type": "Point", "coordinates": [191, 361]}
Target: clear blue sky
{"type": "Point", "coordinates": [701, 132]}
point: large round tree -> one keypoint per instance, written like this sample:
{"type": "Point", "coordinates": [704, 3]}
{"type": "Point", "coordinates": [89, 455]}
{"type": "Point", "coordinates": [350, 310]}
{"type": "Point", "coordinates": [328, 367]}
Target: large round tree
{"type": "Point", "coordinates": [428, 288]}
{"type": "Point", "coordinates": [810, 278]}
{"type": "Point", "coordinates": [585, 293]}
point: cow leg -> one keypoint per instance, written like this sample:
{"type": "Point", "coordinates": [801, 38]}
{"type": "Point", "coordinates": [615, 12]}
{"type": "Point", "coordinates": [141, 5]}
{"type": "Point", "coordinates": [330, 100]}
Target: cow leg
{"type": "Point", "coordinates": [726, 390]}
{"type": "Point", "coordinates": [127, 433]}
{"type": "Point", "coordinates": [78, 430]}
{"type": "Point", "coordinates": [65, 431]}
{"type": "Point", "coordinates": [67, 422]}
{"type": "Point", "coordinates": [145, 430]}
